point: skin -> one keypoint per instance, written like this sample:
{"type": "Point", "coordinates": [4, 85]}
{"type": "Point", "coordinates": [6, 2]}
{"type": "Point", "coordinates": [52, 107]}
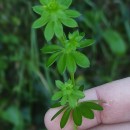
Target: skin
{"type": "Point", "coordinates": [116, 113]}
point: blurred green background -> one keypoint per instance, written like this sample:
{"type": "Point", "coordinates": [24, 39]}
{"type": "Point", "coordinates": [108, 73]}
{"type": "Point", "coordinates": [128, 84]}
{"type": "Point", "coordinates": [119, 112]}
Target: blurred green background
{"type": "Point", "coordinates": [26, 85]}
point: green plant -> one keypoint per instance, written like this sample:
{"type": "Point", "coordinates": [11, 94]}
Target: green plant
{"type": "Point", "coordinates": [54, 14]}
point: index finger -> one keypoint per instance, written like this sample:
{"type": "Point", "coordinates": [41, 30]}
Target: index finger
{"type": "Point", "coordinates": [116, 109]}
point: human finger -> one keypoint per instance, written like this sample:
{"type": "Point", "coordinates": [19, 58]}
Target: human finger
{"type": "Point", "coordinates": [121, 126]}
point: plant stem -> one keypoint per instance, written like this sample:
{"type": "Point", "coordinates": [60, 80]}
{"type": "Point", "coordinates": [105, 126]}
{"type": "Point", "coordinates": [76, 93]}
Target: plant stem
{"type": "Point", "coordinates": [75, 127]}
{"type": "Point", "coordinates": [72, 78]}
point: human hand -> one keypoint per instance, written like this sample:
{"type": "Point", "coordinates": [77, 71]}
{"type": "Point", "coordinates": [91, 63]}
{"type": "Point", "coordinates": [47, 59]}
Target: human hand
{"type": "Point", "coordinates": [116, 113]}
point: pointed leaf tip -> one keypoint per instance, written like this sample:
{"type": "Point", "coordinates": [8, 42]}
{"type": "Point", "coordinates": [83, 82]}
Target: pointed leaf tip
{"type": "Point", "coordinates": [77, 116]}
{"type": "Point", "coordinates": [57, 95]}
{"type": "Point", "coordinates": [81, 59]}
{"type": "Point", "coordinates": [52, 59]}
{"type": "Point", "coordinates": [59, 84]}
{"type": "Point", "coordinates": [94, 106]}
{"type": "Point", "coordinates": [59, 112]}
{"type": "Point", "coordinates": [65, 118]}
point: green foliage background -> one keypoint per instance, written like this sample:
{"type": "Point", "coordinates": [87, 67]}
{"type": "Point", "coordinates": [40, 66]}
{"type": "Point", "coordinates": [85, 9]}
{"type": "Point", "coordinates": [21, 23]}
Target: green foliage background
{"type": "Point", "coordinates": [26, 85]}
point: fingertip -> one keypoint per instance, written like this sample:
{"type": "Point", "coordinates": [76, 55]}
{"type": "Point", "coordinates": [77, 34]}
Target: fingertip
{"type": "Point", "coordinates": [47, 120]}
{"type": "Point", "coordinates": [46, 117]}
{"type": "Point", "coordinates": [116, 94]}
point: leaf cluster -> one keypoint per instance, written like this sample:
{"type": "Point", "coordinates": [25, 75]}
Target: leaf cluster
{"type": "Point", "coordinates": [53, 15]}
{"type": "Point", "coordinates": [68, 94]}
{"type": "Point", "coordinates": [67, 55]}
{"type": "Point", "coordinates": [83, 109]}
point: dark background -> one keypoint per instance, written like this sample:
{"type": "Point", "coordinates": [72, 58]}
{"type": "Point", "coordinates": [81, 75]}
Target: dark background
{"type": "Point", "coordinates": [26, 85]}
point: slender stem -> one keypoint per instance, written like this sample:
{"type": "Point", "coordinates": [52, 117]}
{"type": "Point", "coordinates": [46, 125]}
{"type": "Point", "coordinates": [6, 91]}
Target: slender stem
{"type": "Point", "coordinates": [73, 81]}
{"type": "Point", "coordinates": [75, 127]}
{"type": "Point", "coordinates": [72, 78]}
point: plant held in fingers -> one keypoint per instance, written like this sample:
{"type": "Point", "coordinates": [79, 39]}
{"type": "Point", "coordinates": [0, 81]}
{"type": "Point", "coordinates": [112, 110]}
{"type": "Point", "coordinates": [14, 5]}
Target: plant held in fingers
{"type": "Point", "coordinates": [66, 53]}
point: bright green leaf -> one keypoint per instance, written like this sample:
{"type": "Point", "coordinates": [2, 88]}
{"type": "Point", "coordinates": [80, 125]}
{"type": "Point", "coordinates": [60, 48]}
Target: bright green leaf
{"type": "Point", "coordinates": [72, 101]}
{"type": "Point", "coordinates": [81, 59]}
{"type": "Point", "coordinates": [51, 48]}
{"type": "Point", "coordinates": [115, 42]}
{"type": "Point", "coordinates": [61, 64]}
{"type": "Point", "coordinates": [66, 3]}
{"type": "Point", "coordinates": [74, 35]}
{"type": "Point", "coordinates": [59, 84]}
{"type": "Point", "coordinates": [38, 9]}
{"type": "Point", "coordinates": [58, 28]}
{"type": "Point", "coordinates": [79, 94]}
{"type": "Point", "coordinates": [61, 14]}
{"type": "Point", "coordinates": [77, 117]}
{"type": "Point", "coordinates": [49, 31]}
{"type": "Point", "coordinates": [94, 106]}
{"type": "Point", "coordinates": [86, 42]}
{"type": "Point", "coordinates": [71, 65]}
{"type": "Point", "coordinates": [72, 13]}
{"type": "Point", "coordinates": [57, 95]}
{"type": "Point", "coordinates": [59, 112]}
{"type": "Point", "coordinates": [63, 100]}
{"type": "Point", "coordinates": [39, 22]}
{"type": "Point", "coordinates": [52, 59]}
{"type": "Point", "coordinates": [65, 118]}
{"type": "Point", "coordinates": [69, 22]}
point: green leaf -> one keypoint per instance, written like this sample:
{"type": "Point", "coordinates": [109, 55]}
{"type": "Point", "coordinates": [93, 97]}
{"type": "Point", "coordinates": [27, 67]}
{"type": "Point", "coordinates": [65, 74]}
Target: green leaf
{"type": "Point", "coordinates": [59, 112]}
{"type": "Point", "coordinates": [61, 64]}
{"type": "Point", "coordinates": [115, 42]}
{"type": "Point", "coordinates": [41, 21]}
{"type": "Point", "coordinates": [65, 118]}
{"type": "Point", "coordinates": [56, 105]}
{"type": "Point", "coordinates": [78, 94]}
{"type": "Point", "coordinates": [38, 9]}
{"type": "Point", "coordinates": [72, 101]}
{"type": "Point", "coordinates": [81, 59]}
{"type": "Point", "coordinates": [49, 31]}
{"type": "Point", "coordinates": [86, 112]}
{"type": "Point", "coordinates": [51, 48]}
{"type": "Point", "coordinates": [94, 106]}
{"type": "Point", "coordinates": [44, 2]}
{"type": "Point", "coordinates": [69, 22]}
{"type": "Point", "coordinates": [77, 117]}
{"type": "Point", "coordinates": [72, 13]}
{"type": "Point", "coordinates": [86, 42]}
{"type": "Point", "coordinates": [57, 95]}
{"type": "Point", "coordinates": [59, 84]}
{"type": "Point", "coordinates": [71, 65]}
{"type": "Point", "coordinates": [63, 100]}
{"type": "Point", "coordinates": [81, 88]}
{"type": "Point", "coordinates": [52, 59]}
{"type": "Point", "coordinates": [58, 28]}
{"type": "Point", "coordinates": [66, 3]}
{"type": "Point", "coordinates": [61, 14]}
{"type": "Point", "coordinates": [75, 35]}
